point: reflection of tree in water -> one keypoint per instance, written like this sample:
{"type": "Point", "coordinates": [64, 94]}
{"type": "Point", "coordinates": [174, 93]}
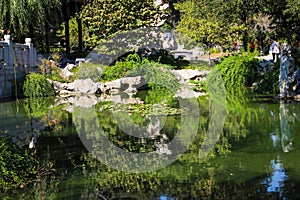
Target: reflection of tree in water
{"type": "Point", "coordinates": [186, 178]}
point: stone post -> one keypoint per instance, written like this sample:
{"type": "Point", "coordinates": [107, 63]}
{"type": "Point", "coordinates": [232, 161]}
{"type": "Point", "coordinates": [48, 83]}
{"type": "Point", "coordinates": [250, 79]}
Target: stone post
{"type": "Point", "coordinates": [31, 52]}
{"type": "Point", "coordinates": [9, 58]}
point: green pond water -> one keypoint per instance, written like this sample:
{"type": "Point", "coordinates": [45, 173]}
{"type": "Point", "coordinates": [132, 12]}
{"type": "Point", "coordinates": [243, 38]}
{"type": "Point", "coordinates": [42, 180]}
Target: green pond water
{"type": "Point", "coordinates": [256, 156]}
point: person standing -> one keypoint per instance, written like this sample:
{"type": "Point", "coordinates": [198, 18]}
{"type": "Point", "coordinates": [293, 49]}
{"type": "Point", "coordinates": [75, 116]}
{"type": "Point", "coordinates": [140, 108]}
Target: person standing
{"type": "Point", "coordinates": [275, 49]}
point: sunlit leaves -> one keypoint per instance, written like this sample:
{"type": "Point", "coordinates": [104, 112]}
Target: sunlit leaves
{"type": "Point", "coordinates": [105, 17]}
{"type": "Point", "coordinates": [205, 22]}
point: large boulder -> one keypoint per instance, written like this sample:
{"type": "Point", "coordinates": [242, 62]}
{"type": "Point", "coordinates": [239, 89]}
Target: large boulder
{"type": "Point", "coordinates": [132, 84]}
{"type": "Point", "coordinates": [115, 84]}
{"type": "Point", "coordinates": [85, 86]}
{"type": "Point", "coordinates": [128, 84]}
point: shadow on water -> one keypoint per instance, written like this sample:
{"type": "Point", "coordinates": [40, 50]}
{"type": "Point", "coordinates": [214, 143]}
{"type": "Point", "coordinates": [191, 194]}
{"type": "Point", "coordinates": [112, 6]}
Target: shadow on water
{"type": "Point", "coordinates": [256, 156]}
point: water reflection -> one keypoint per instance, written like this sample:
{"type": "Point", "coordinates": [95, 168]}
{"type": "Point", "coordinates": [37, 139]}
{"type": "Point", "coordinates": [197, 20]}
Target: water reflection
{"type": "Point", "coordinates": [286, 141]}
{"type": "Point", "coordinates": [164, 197]}
{"type": "Point", "coordinates": [276, 181]}
{"type": "Point", "coordinates": [258, 166]}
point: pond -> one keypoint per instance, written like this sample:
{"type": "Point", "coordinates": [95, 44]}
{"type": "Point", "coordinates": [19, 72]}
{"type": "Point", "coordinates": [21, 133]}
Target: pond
{"type": "Point", "coordinates": [256, 156]}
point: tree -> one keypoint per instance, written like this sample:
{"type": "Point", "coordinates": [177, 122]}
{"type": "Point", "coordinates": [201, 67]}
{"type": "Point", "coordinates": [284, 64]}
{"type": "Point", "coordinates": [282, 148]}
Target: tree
{"type": "Point", "coordinates": [219, 22]}
{"type": "Point", "coordinates": [285, 19]}
{"type": "Point", "coordinates": [22, 17]}
{"type": "Point", "coordinates": [205, 22]}
{"type": "Point", "coordinates": [103, 18]}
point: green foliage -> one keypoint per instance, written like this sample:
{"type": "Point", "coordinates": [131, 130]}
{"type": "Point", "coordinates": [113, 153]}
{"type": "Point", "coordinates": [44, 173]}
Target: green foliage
{"type": "Point", "coordinates": [204, 22]}
{"type": "Point", "coordinates": [73, 32]}
{"type": "Point", "coordinates": [269, 83]}
{"type": "Point", "coordinates": [121, 68]}
{"type": "Point", "coordinates": [296, 56]}
{"type": "Point", "coordinates": [200, 65]}
{"type": "Point", "coordinates": [238, 71]}
{"type": "Point", "coordinates": [285, 17]}
{"type": "Point", "coordinates": [162, 95]}
{"type": "Point", "coordinates": [37, 85]}
{"type": "Point", "coordinates": [38, 107]}
{"type": "Point", "coordinates": [156, 75]}
{"type": "Point", "coordinates": [19, 15]}
{"type": "Point", "coordinates": [106, 17]}
{"type": "Point", "coordinates": [56, 77]}
{"type": "Point", "coordinates": [89, 70]}
{"type": "Point", "coordinates": [17, 167]}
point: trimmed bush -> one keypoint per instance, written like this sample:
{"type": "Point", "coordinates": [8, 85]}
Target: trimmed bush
{"type": "Point", "coordinates": [37, 85]}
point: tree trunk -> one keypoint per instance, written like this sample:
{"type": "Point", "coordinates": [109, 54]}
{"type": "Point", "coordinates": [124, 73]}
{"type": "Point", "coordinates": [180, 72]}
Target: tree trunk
{"type": "Point", "coordinates": [65, 9]}
{"type": "Point", "coordinates": [245, 41]}
{"type": "Point", "coordinates": [67, 37]}
{"type": "Point", "coordinates": [47, 36]}
{"type": "Point", "coordinates": [80, 45]}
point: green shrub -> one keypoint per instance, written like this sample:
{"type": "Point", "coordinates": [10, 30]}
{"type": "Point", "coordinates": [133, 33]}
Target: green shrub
{"type": "Point", "coordinates": [37, 85]}
{"type": "Point", "coordinates": [121, 68]}
{"type": "Point", "coordinates": [89, 70]}
{"type": "Point", "coordinates": [56, 77]}
{"type": "Point", "coordinates": [238, 71]}
{"type": "Point", "coordinates": [156, 75]}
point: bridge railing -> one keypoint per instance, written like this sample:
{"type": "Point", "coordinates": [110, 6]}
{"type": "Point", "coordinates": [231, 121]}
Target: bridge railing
{"type": "Point", "coordinates": [16, 60]}
{"type": "Point", "coordinates": [17, 54]}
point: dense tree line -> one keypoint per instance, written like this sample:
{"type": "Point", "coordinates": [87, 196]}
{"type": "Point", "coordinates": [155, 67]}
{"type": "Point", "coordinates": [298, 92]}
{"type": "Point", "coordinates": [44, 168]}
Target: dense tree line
{"type": "Point", "coordinates": [208, 21]}
{"type": "Point", "coordinates": [223, 22]}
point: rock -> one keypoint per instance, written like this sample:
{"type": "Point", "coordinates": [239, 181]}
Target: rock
{"type": "Point", "coordinates": [58, 85]}
{"type": "Point", "coordinates": [85, 101]}
{"type": "Point", "coordinates": [85, 86]}
{"type": "Point", "coordinates": [69, 67]}
{"type": "Point", "coordinates": [131, 84]}
{"type": "Point", "coordinates": [66, 74]}
{"type": "Point", "coordinates": [116, 84]}
{"type": "Point", "coordinates": [186, 93]}
{"type": "Point", "coordinates": [128, 84]}
{"type": "Point", "coordinates": [65, 93]}
{"type": "Point", "coordinates": [70, 86]}
{"type": "Point", "coordinates": [185, 75]}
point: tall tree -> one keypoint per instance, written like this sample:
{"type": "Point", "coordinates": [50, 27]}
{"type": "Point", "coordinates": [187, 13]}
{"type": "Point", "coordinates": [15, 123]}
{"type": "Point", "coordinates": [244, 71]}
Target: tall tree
{"type": "Point", "coordinates": [22, 16]}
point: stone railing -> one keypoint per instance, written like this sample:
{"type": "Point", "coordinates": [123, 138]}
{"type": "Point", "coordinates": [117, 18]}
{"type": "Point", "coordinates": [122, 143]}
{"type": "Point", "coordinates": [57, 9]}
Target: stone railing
{"type": "Point", "coordinates": [16, 60]}
{"type": "Point", "coordinates": [17, 54]}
